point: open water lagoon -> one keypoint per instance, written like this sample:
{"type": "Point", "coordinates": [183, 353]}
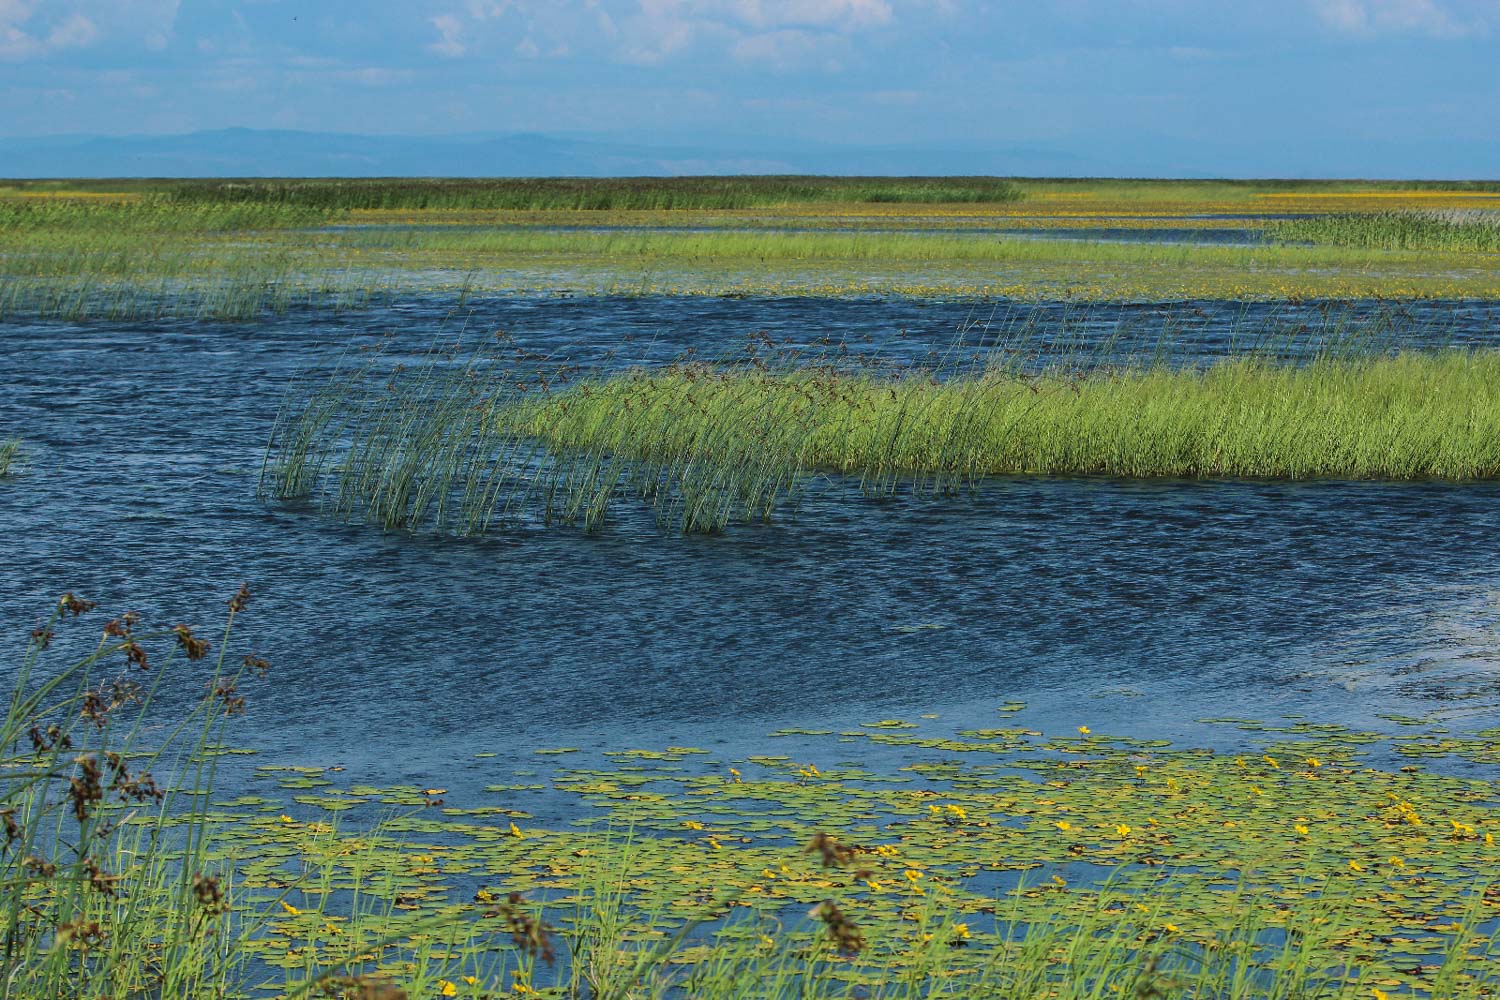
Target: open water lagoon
{"type": "Point", "coordinates": [1137, 605]}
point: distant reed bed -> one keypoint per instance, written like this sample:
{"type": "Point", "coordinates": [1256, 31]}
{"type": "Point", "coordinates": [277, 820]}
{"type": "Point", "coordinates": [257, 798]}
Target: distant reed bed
{"type": "Point", "coordinates": [1452, 232]}
{"type": "Point", "coordinates": [152, 214]}
{"type": "Point", "coordinates": [603, 194]}
{"type": "Point", "coordinates": [470, 445]}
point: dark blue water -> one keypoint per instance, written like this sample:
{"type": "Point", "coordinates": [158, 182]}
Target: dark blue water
{"type": "Point", "coordinates": [1133, 606]}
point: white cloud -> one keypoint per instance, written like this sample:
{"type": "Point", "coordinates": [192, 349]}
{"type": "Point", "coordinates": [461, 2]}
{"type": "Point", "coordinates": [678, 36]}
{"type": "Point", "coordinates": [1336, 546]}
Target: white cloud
{"type": "Point", "coordinates": [1449, 19]}
{"type": "Point", "coordinates": [30, 30]}
{"type": "Point", "coordinates": [779, 33]}
{"type": "Point", "coordinates": [450, 32]}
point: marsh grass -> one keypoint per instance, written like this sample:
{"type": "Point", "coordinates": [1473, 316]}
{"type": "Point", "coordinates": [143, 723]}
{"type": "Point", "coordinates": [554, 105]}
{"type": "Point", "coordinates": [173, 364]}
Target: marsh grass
{"type": "Point", "coordinates": [108, 885]}
{"type": "Point", "coordinates": [1444, 232]}
{"type": "Point", "coordinates": [1148, 871]}
{"type": "Point", "coordinates": [10, 455]}
{"type": "Point", "coordinates": [470, 443]}
{"type": "Point", "coordinates": [595, 194]}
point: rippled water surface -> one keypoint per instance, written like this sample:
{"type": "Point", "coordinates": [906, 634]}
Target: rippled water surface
{"type": "Point", "coordinates": [1135, 606]}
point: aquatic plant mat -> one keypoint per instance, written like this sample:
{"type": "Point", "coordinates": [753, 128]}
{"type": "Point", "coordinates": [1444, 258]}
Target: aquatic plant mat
{"type": "Point", "coordinates": [998, 862]}
{"type": "Point", "coordinates": [898, 858]}
{"type": "Point", "coordinates": [469, 443]}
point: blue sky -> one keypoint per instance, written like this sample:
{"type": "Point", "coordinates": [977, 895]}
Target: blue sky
{"type": "Point", "coordinates": [1293, 83]}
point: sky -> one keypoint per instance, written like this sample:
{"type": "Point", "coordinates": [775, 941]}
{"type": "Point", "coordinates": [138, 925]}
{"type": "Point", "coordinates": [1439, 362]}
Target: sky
{"type": "Point", "coordinates": [1294, 82]}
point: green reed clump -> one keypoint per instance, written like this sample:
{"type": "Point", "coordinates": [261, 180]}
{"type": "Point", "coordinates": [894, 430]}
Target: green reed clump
{"type": "Point", "coordinates": [152, 214]}
{"type": "Point", "coordinates": [601, 194]}
{"type": "Point", "coordinates": [10, 453]}
{"type": "Point", "coordinates": [468, 444]}
{"type": "Point", "coordinates": [108, 885]}
{"type": "Point", "coordinates": [1411, 416]}
{"type": "Point", "coordinates": [1454, 232]}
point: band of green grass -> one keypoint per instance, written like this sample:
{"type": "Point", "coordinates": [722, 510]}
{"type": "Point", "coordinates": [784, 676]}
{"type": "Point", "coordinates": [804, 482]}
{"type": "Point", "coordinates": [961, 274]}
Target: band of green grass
{"type": "Point", "coordinates": [1411, 416]}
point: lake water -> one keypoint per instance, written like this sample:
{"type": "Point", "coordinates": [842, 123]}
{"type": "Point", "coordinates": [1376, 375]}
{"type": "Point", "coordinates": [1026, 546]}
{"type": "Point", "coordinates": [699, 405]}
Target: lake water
{"type": "Point", "coordinates": [1134, 607]}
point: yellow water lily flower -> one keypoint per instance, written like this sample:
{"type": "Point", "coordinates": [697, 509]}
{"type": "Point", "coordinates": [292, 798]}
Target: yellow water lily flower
{"type": "Point", "coordinates": [1301, 828]}
{"type": "Point", "coordinates": [1355, 866]}
{"type": "Point", "coordinates": [288, 907]}
{"type": "Point", "coordinates": [515, 831]}
{"type": "Point", "coordinates": [1122, 829]}
{"type": "Point", "coordinates": [1085, 730]}
{"type": "Point", "coordinates": [1064, 825]}
{"type": "Point", "coordinates": [1170, 928]}
{"type": "Point", "coordinates": [447, 989]}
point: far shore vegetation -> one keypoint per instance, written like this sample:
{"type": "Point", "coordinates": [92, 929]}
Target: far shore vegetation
{"type": "Point", "coordinates": [238, 249]}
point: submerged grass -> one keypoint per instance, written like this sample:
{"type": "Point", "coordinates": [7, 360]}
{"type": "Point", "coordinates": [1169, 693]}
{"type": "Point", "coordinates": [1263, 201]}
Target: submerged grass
{"type": "Point", "coordinates": [464, 446]}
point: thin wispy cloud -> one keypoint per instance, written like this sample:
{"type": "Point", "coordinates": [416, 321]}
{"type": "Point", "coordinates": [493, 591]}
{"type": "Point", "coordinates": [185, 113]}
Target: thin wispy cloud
{"type": "Point", "coordinates": [1369, 18]}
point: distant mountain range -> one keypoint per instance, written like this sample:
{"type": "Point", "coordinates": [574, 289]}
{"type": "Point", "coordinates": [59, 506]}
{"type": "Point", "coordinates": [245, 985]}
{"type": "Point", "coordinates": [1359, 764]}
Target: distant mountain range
{"type": "Point", "coordinates": [243, 152]}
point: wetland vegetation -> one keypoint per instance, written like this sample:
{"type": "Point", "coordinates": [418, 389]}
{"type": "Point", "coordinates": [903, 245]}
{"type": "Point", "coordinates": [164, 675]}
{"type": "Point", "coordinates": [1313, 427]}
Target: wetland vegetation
{"type": "Point", "coordinates": [150, 854]}
{"type": "Point", "coordinates": [239, 249]}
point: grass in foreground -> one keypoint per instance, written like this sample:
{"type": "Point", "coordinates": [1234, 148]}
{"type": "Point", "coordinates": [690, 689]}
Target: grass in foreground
{"type": "Point", "coordinates": [466, 447]}
{"type": "Point", "coordinates": [998, 863]}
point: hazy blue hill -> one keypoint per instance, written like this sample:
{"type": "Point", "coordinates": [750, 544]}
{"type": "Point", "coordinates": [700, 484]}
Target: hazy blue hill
{"type": "Point", "coordinates": [240, 152]}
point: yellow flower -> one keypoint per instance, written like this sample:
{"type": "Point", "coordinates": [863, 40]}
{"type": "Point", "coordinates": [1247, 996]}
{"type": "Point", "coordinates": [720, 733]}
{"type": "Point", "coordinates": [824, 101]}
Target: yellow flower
{"type": "Point", "coordinates": [284, 818]}
{"type": "Point", "coordinates": [1085, 730]}
{"type": "Point", "coordinates": [1122, 829]}
{"type": "Point", "coordinates": [714, 844]}
{"type": "Point", "coordinates": [1257, 790]}
{"type": "Point", "coordinates": [1272, 761]}
{"type": "Point", "coordinates": [912, 875]}
{"type": "Point", "coordinates": [766, 942]}
{"type": "Point", "coordinates": [1355, 866]}
{"type": "Point", "coordinates": [1301, 828]}
{"type": "Point", "coordinates": [961, 931]}
{"type": "Point", "coordinates": [735, 774]}
{"type": "Point", "coordinates": [1171, 928]}
{"type": "Point", "coordinates": [1380, 994]}
{"type": "Point", "coordinates": [692, 824]}
{"type": "Point", "coordinates": [1140, 770]}
{"type": "Point", "coordinates": [1314, 762]}
{"type": "Point", "coordinates": [1064, 825]}
{"type": "Point", "coordinates": [471, 980]}
{"type": "Point", "coordinates": [1489, 840]}
{"type": "Point", "coordinates": [447, 989]}
{"type": "Point", "coordinates": [288, 907]}
{"type": "Point", "coordinates": [957, 811]}
{"type": "Point", "coordinates": [515, 831]}
{"type": "Point", "coordinates": [874, 885]}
